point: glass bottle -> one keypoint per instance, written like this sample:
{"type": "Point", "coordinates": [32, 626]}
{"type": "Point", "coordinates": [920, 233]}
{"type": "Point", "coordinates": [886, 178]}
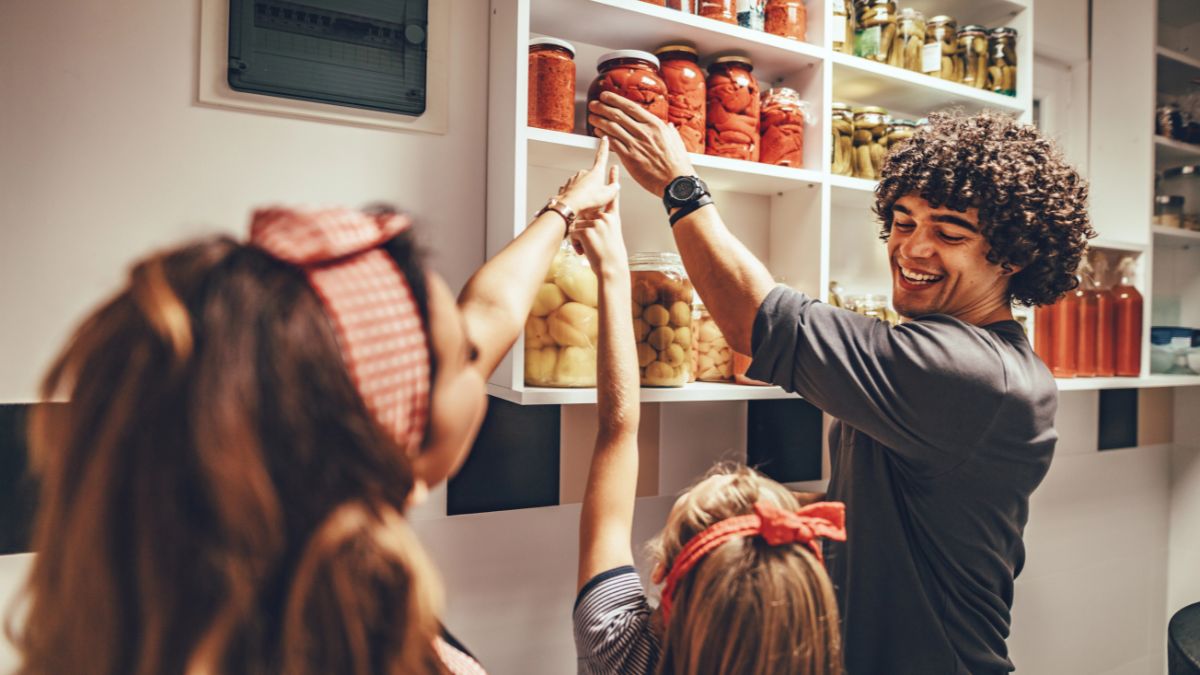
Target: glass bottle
{"type": "Point", "coordinates": [686, 100]}
{"type": "Point", "coordinates": [662, 303]}
{"type": "Point", "coordinates": [1043, 334]}
{"type": "Point", "coordinates": [1066, 327]}
{"type": "Point", "coordinates": [634, 75]}
{"type": "Point", "coordinates": [1127, 310]}
{"type": "Point", "coordinates": [1106, 355]}
{"type": "Point", "coordinates": [1089, 318]}
{"type": "Point", "coordinates": [733, 109]}
{"type": "Point", "coordinates": [551, 103]}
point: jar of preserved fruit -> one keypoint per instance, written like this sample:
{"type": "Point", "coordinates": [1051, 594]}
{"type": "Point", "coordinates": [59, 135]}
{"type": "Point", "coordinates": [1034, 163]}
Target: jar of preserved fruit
{"type": "Point", "coordinates": [870, 141]}
{"type": "Point", "coordinates": [733, 109]}
{"type": "Point", "coordinates": [561, 331]}
{"type": "Point", "coordinates": [841, 30]}
{"type": "Point", "coordinates": [721, 10]}
{"type": "Point", "coordinates": [662, 303]}
{"type": "Point", "coordinates": [686, 100]}
{"type": "Point", "coordinates": [910, 40]}
{"type": "Point", "coordinates": [551, 84]}
{"type": "Point", "coordinates": [940, 57]}
{"type": "Point", "coordinates": [842, 126]}
{"type": "Point", "coordinates": [714, 357]}
{"type": "Point", "coordinates": [634, 75]}
{"type": "Point", "coordinates": [899, 131]}
{"type": "Point", "coordinates": [973, 52]}
{"type": "Point", "coordinates": [1002, 68]}
{"type": "Point", "coordinates": [875, 29]}
{"type": "Point", "coordinates": [781, 127]}
{"type": "Point", "coordinates": [687, 6]}
{"type": "Point", "coordinates": [786, 18]}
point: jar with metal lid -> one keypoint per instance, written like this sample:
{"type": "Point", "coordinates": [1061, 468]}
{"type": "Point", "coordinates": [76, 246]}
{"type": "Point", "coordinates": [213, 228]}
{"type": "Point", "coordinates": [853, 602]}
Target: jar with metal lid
{"type": "Point", "coordinates": [634, 75]}
{"type": "Point", "coordinates": [781, 126]}
{"type": "Point", "coordinates": [733, 109]}
{"type": "Point", "coordinates": [786, 18]}
{"type": "Point", "coordinates": [551, 103]}
{"type": "Point", "coordinates": [842, 126]}
{"type": "Point", "coordinates": [720, 10]}
{"type": "Point", "coordinates": [900, 131]}
{"type": "Point", "coordinates": [561, 333]}
{"type": "Point", "coordinates": [875, 29]}
{"type": "Point", "coordinates": [1002, 68]}
{"type": "Point", "coordinates": [662, 303]}
{"type": "Point", "coordinates": [686, 99]}
{"type": "Point", "coordinates": [1168, 211]}
{"type": "Point", "coordinates": [841, 30]}
{"type": "Point", "coordinates": [714, 357]}
{"type": "Point", "coordinates": [1168, 122]}
{"type": "Point", "coordinates": [870, 141]}
{"type": "Point", "coordinates": [973, 53]}
{"type": "Point", "coordinates": [910, 40]}
{"type": "Point", "coordinates": [940, 57]}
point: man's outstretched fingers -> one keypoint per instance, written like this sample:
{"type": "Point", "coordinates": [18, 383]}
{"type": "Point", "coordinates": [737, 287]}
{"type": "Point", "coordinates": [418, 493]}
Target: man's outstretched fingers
{"type": "Point", "coordinates": [633, 110]}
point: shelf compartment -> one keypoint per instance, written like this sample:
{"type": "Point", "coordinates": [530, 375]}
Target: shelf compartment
{"type": "Point", "coordinates": [693, 392]}
{"type": "Point", "coordinates": [1177, 72]}
{"type": "Point", "coordinates": [1146, 382]}
{"type": "Point", "coordinates": [1170, 153]}
{"type": "Point", "coordinates": [1174, 237]}
{"type": "Point", "coordinates": [859, 80]}
{"type": "Point", "coordinates": [849, 192]}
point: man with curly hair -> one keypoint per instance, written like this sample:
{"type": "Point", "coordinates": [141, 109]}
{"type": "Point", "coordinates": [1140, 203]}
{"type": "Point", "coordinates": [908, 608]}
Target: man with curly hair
{"type": "Point", "coordinates": [945, 424]}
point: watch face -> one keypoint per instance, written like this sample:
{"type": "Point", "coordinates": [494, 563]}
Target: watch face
{"type": "Point", "coordinates": [684, 189]}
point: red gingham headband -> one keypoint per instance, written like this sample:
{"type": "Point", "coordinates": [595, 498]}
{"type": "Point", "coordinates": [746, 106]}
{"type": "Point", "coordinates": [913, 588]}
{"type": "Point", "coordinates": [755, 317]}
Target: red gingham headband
{"type": "Point", "coordinates": [367, 298]}
{"type": "Point", "coordinates": [778, 527]}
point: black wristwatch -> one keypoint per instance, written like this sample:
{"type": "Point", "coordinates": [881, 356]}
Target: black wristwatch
{"type": "Point", "coordinates": [686, 193]}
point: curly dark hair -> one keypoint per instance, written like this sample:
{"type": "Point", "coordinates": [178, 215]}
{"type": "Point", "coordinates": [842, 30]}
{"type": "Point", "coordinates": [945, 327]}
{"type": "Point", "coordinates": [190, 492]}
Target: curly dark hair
{"type": "Point", "coordinates": [1032, 203]}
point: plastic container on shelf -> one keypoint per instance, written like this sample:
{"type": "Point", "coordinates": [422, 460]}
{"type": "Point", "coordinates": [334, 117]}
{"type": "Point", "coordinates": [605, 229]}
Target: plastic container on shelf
{"type": "Point", "coordinates": [781, 127]}
{"type": "Point", "coordinates": [1096, 285]}
{"type": "Point", "coordinates": [1168, 211]}
{"type": "Point", "coordinates": [870, 141]}
{"type": "Point", "coordinates": [1127, 310]}
{"type": "Point", "coordinates": [841, 125]}
{"type": "Point", "coordinates": [719, 10]}
{"type": "Point", "coordinates": [551, 84]}
{"type": "Point", "coordinates": [1170, 347]}
{"type": "Point", "coordinates": [905, 51]}
{"type": "Point", "coordinates": [634, 75]}
{"type": "Point", "coordinates": [1043, 334]}
{"type": "Point", "coordinates": [561, 331]}
{"type": "Point", "coordinates": [714, 357]}
{"type": "Point", "coordinates": [786, 18]}
{"type": "Point", "coordinates": [875, 28]}
{"type": "Point", "coordinates": [940, 55]}
{"type": "Point", "coordinates": [1066, 335]}
{"type": "Point", "coordinates": [1089, 323]}
{"type": "Point", "coordinates": [686, 101]}
{"type": "Point", "coordinates": [973, 53]}
{"type": "Point", "coordinates": [733, 109]}
{"type": "Point", "coordinates": [841, 28]}
{"type": "Point", "coordinates": [662, 303]}
{"type": "Point", "coordinates": [1002, 60]}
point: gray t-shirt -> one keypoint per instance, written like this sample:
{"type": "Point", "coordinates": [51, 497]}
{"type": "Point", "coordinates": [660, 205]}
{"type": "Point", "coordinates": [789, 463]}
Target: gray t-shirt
{"type": "Point", "coordinates": [944, 430]}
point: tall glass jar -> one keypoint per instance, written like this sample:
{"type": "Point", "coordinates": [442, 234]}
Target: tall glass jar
{"type": "Point", "coordinates": [842, 126]}
{"type": "Point", "coordinates": [1002, 69]}
{"type": "Point", "coordinates": [786, 18]}
{"type": "Point", "coordinates": [910, 40]}
{"type": "Point", "coordinates": [875, 28]}
{"type": "Point", "coordinates": [733, 109]}
{"type": "Point", "coordinates": [562, 329]}
{"type": "Point", "coordinates": [662, 304]}
{"type": "Point", "coordinates": [781, 126]}
{"type": "Point", "coordinates": [551, 84]}
{"type": "Point", "coordinates": [841, 30]}
{"type": "Point", "coordinates": [973, 52]}
{"type": "Point", "coordinates": [900, 131]}
{"type": "Point", "coordinates": [634, 75]}
{"type": "Point", "coordinates": [686, 100]}
{"type": "Point", "coordinates": [870, 141]}
{"type": "Point", "coordinates": [714, 357]}
{"type": "Point", "coordinates": [941, 49]}
{"type": "Point", "coordinates": [721, 10]}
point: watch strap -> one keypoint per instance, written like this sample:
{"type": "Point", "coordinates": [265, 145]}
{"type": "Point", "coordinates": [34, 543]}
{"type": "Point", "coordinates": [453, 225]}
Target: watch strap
{"type": "Point", "coordinates": [690, 207]}
{"type": "Point", "coordinates": [560, 207]}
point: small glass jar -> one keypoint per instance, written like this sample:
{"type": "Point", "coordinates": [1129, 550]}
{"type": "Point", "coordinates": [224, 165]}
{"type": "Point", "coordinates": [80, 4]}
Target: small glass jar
{"type": "Point", "coordinates": [941, 54]}
{"type": "Point", "coordinates": [973, 53]}
{"type": "Point", "coordinates": [720, 10]}
{"type": "Point", "coordinates": [900, 131]}
{"type": "Point", "coordinates": [842, 126]}
{"type": "Point", "coordinates": [733, 109]}
{"type": "Point", "coordinates": [870, 141]}
{"type": "Point", "coordinates": [1002, 66]}
{"type": "Point", "coordinates": [1168, 122]}
{"type": "Point", "coordinates": [910, 40]}
{"type": "Point", "coordinates": [662, 303]}
{"type": "Point", "coordinates": [551, 85]}
{"type": "Point", "coordinates": [714, 357]}
{"type": "Point", "coordinates": [786, 18]}
{"type": "Point", "coordinates": [686, 101]}
{"type": "Point", "coordinates": [875, 28]}
{"type": "Point", "coordinates": [841, 30]}
{"type": "Point", "coordinates": [562, 330]}
{"type": "Point", "coordinates": [634, 75]}
{"type": "Point", "coordinates": [781, 127]}
{"type": "Point", "coordinates": [1168, 211]}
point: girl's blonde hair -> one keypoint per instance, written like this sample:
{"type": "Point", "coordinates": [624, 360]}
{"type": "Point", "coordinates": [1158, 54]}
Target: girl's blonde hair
{"type": "Point", "coordinates": [747, 607]}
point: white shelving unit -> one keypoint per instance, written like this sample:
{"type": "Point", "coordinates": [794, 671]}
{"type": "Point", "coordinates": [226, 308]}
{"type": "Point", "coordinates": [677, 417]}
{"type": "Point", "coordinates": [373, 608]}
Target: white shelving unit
{"type": "Point", "coordinates": [1169, 153]}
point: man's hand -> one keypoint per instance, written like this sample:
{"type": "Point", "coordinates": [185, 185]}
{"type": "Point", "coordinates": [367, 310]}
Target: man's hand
{"type": "Point", "coordinates": [651, 150]}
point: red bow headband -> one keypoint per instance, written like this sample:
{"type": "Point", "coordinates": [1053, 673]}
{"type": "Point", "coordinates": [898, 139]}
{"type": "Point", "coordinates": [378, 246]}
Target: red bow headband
{"type": "Point", "coordinates": [367, 298]}
{"type": "Point", "coordinates": [776, 526]}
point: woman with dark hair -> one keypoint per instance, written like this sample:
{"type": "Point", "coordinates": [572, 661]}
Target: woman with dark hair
{"type": "Point", "coordinates": [247, 423]}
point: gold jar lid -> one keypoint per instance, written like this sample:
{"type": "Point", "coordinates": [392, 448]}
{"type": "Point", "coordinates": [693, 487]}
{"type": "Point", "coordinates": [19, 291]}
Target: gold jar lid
{"type": "Point", "coordinates": [870, 110]}
{"type": "Point", "coordinates": [686, 49]}
{"type": "Point", "coordinates": [737, 59]}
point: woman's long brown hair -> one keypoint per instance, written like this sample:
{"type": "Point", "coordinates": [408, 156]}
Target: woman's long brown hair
{"type": "Point", "coordinates": [215, 497]}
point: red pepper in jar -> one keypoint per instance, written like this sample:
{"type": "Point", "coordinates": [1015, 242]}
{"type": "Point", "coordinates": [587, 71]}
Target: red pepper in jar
{"type": "Point", "coordinates": [786, 18]}
{"type": "Point", "coordinates": [634, 75]}
{"type": "Point", "coordinates": [781, 126]}
{"type": "Point", "coordinates": [721, 10]}
{"type": "Point", "coordinates": [733, 109]}
{"type": "Point", "coordinates": [685, 93]}
{"type": "Point", "coordinates": [551, 103]}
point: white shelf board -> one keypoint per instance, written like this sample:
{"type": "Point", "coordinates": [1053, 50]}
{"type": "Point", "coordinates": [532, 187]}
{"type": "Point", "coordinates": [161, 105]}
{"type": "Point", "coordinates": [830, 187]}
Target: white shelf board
{"type": "Point", "coordinates": [1170, 153]}
{"type": "Point", "coordinates": [1146, 382]}
{"type": "Point", "coordinates": [859, 80]}
{"type": "Point", "coordinates": [1175, 237]}
{"type": "Point", "coordinates": [1117, 245]}
{"type": "Point", "coordinates": [989, 13]}
{"type": "Point", "coordinates": [558, 150]}
{"type": "Point", "coordinates": [1177, 72]}
{"type": "Point", "coordinates": [850, 192]}
{"type": "Point", "coordinates": [692, 392]}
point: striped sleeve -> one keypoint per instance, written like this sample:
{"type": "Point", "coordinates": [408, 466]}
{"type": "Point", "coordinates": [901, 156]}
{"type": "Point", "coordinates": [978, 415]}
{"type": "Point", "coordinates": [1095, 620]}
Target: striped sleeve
{"type": "Point", "coordinates": [612, 625]}
{"type": "Point", "coordinates": [456, 661]}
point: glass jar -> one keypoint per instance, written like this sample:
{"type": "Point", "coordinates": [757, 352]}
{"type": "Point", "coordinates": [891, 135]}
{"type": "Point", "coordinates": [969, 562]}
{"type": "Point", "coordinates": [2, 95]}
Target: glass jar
{"type": "Point", "coordinates": [781, 126]}
{"type": "Point", "coordinates": [1168, 211]}
{"type": "Point", "coordinates": [871, 305]}
{"type": "Point", "coordinates": [899, 131]}
{"type": "Point", "coordinates": [721, 10]}
{"type": "Point", "coordinates": [562, 329]}
{"type": "Point", "coordinates": [685, 93]}
{"type": "Point", "coordinates": [870, 141]}
{"type": "Point", "coordinates": [1168, 122]}
{"type": "Point", "coordinates": [875, 28]}
{"type": "Point", "coordinates": [910, 40]}
{"type": "Point", "coordinates": [1183, 181]}
{"type": "Point", "coordinates": [940, 58]}
{"type": "Point", "coordinates": [634, 75]}
{"type": "Point", "coordinates": [662, 301]}
{"type": "Point", "coordinates": [551, 85]}
{"type": "Point", "coordinates": [973, 52]}
{"type": "Point", "coordinates": [786, 18]}
{"type": "Point", "coordinates": [733, 109]}
{"type": "Point", "coordinates": [842, 126]}
{"type": "Point", "coordinates": [841, 30]}
{"type": "Point", "coordinates": [1002, 68]}
{"type": "Point", "coordinates": [714, 357]}
{"type": "Point", "coordinates": [686, 6]}
{"type": "Point", "coordinates": [751, 13]}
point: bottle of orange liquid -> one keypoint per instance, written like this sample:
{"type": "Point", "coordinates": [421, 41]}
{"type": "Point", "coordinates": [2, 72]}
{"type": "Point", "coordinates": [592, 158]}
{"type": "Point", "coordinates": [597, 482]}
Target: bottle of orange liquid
{"type": "Point", "coordinates": [1127, 310]}
{"type": "Point", "coordinates": [1066, 335]}
{"type": "Point", "coordinates": [1106, 355]}
{"type": "Point", "coordinates": [1088, 303]}
{"type": "Point", "coordinates": [1043, 334]}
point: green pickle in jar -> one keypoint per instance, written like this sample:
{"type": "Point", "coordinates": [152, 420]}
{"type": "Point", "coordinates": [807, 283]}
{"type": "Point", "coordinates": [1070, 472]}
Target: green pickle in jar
{"type": "Point", "coordinates": [973, 54]}
{"type": "Point", "coordinates": [1002, 65]}
{"type": "Point", "coordinates": [876, 29]}
{"type": "Point", "coordinates": [941, 49]}
{"type": "Point", "coordinates": [870, 142]}
{"type": "Point", "coordinates": [842, 127]}
{"type": "Point", "coordinates": [910, 40]}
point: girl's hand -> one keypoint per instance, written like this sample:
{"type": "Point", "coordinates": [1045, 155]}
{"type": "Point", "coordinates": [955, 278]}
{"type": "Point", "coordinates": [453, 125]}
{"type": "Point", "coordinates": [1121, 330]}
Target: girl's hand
{"type": "Point", "coordinates": [597, 234]}
{"type": "Point", "coordinates": [589, 189]}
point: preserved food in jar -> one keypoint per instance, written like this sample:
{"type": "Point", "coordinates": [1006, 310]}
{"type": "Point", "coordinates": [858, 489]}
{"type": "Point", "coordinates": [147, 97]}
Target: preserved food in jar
{"type": "Point", "coordinates": [905, 51]}
{"type": "Point", "coordinates": [1127, 310]}
{"type": "Point", "coordinates": [634, 75]}
{"type": "Point", "coordinates": [688, 6]}
{"type": "Point", "coordinates": [841, 30]}
{"type": "Point", "coordinates": [1168, 211]}
{"type": "Point", "coordinates": [900, 131]}
{"type": "Point", "coordinates": [786, 18]}
{"type": "Point", "coordinates": [551, 84]}
{"type": "Point", "coordinates": [562, 330]}
{"type": "Point", "coordinates": [714, 357]}
{"type": "Point", "coordinates": [782, 127]}
{"type": "Point", "coordinates": [733, 109]}
{"type": "Point", "coordinates": [1066, 327]}
{"type": "Point", "coordinates": [870, 142]}
{"type": "Point", "coordinates": [973, 52]}
{"type": "Point", "coordinates": [875, 29]}
{"type": "Point", "coordinates": [686, 99]}
{"type": "Point", "coordinates": [662, 329]}
{"type": "Point", "coordinates": [1002, 67]}
{"type": "Point", "coordinates": [842, 125]}
{"type": "Point", "coordinates": [721, 10]}
{"type": "Point", "coordinates": [941, 49]}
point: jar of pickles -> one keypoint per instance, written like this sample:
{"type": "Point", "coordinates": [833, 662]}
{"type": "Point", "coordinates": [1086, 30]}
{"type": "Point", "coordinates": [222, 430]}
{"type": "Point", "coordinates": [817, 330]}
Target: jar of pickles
{"type": "Point", "coordinates": [733, 109]}
{"type": "Point", "coordinates": [910, 40]}
{"type": "Point", "coordinates": [1002, 69]}
{"type": "Point", "coordinates": [870, 141]}
{"type": "Point", "coordinates": [941, 49]}
{"type": "Point", "coordinates": [900, 131]}
{"type": "Point", "coordinates": [551, 103]}
{"type": "Point", "coordinates": [786, 18]}
{"type": "Point", "coordinates": [634, 75]}
{"type": "Point", "coordinates": [721, 10]}
{"type": "Point", "coordinates": [973, 52]}
{"type": "Point", "coordinates": [781, 126]}
{"type": "Point", "coordinates": [714, 357]}
{"type": "Point", "coordinates": [842, 126]}
{"type": "Point", "coordinates": [561, 331]}
{"type": "Point", "coordinates": [662, 329]}
{"type": "Point", "coordinates": [875, 31]}
{"type": "Point", "coordinates": [686, 99]}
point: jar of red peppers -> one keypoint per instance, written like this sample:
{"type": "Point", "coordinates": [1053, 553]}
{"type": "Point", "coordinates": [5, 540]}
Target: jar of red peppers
{"type": "Point", "coordinates": [721, 10]}
{"type": "Point", "coordinates": [551, 84]}
{"type": "Point", "coordinates": [686, 6]}
{"type": "Point", "coordinates": [685, 93]}
{"type": "Point", "coordinates": [634, 75]}
{"type": "Point", "coordinates": [733, 109]}
{"type": "Point", "coordinates": [781, 125]}
{"type": "Point", "coordinates": [786, 18]}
